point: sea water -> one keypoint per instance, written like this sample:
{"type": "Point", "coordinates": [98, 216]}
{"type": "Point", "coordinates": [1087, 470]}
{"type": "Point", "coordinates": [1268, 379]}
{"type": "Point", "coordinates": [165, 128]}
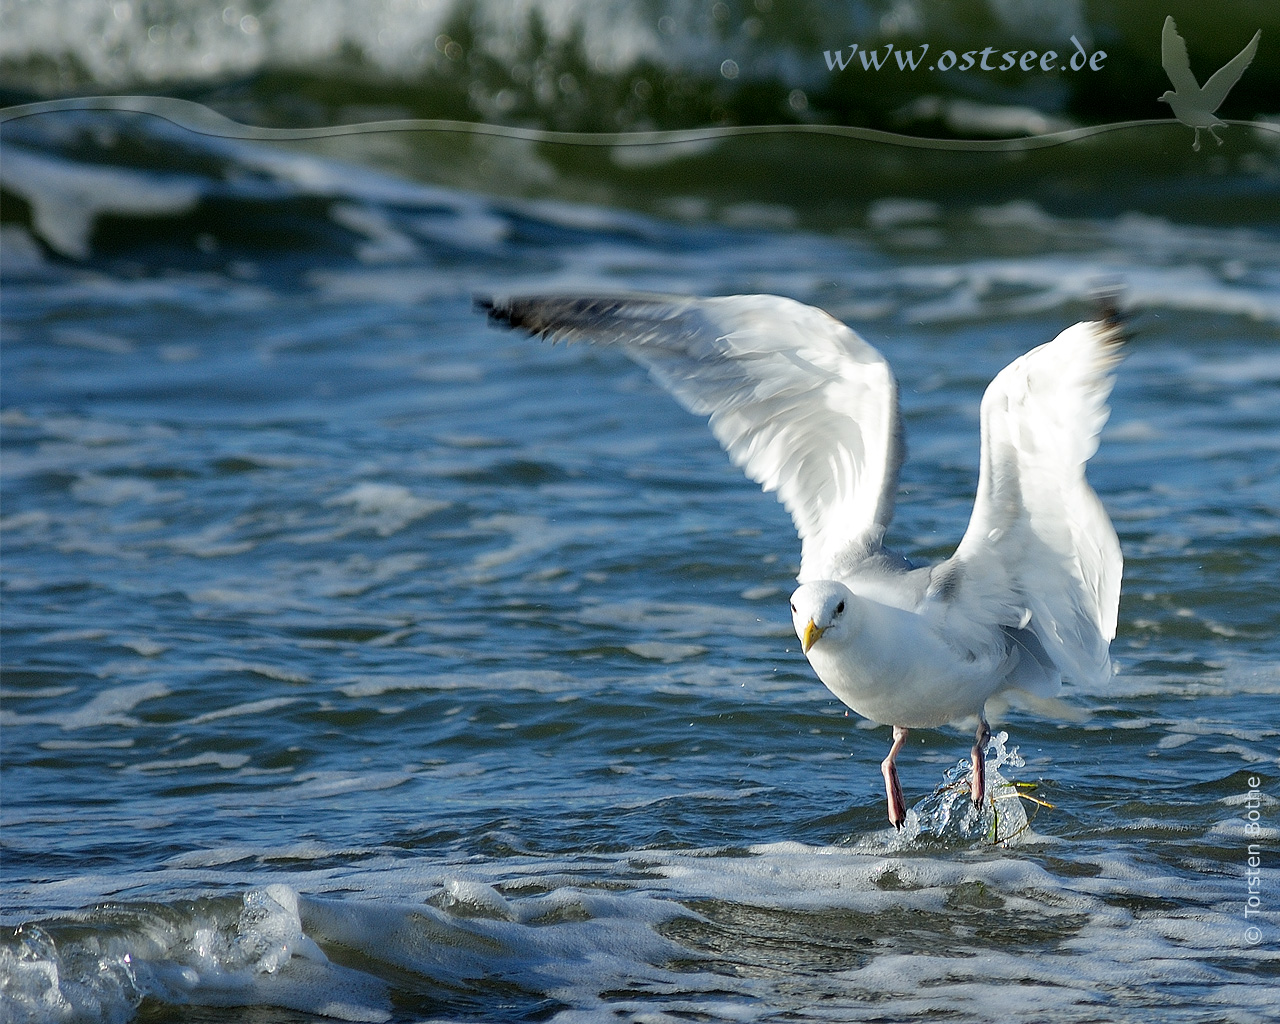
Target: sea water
{"type": "Point", "coordinates": [364, 662]}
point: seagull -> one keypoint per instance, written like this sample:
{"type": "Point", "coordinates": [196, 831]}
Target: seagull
{"type": "Point", "coordinates": [808, 409]}
{"type": "Point", "coordinates": [1192, 104]}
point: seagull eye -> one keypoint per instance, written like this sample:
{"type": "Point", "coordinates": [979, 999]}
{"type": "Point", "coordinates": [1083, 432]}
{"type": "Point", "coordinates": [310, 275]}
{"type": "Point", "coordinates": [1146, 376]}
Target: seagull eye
{"type": "Point", "coordinates": [840, 608]}
{"type": "Point", "coordinates": [793, 606]}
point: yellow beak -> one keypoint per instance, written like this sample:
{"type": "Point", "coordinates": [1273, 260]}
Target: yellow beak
{"type": "Point", "coordinates": [811, 634]}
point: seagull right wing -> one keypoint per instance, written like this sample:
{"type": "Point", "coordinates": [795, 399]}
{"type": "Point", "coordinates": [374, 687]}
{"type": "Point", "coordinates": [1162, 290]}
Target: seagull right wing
{"type": "Point", "coordinates": [1040, 552]}
{"type": "Point", "coordinates": [1176, 61]}
{"type": "Point", "coordinates": [1216, 89]}
{"type": "Point", "coordinates": [799, 401]}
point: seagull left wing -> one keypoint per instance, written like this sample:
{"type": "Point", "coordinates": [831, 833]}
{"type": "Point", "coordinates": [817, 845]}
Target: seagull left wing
{"type": "Point", "coordinates": [799, 401]}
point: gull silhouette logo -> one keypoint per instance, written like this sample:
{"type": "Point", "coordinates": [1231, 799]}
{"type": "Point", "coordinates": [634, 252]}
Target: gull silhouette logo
{"type": "Point", "coordinates": [1193, 104]}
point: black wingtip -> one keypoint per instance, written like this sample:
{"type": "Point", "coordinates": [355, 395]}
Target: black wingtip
{"type": "Point", "coordinates": [498, 311]}
{"type": "Point", "coordinates": [563, 317]}
{"type": "Point", "coordinates": [1111, 312]}
{"type": "Point", "coordinates": [516, 313]}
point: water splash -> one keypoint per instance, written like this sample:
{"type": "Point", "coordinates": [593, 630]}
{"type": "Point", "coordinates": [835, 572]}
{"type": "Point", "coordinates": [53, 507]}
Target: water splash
{"type": "Point", "coordinates": [39, 982]}
{"type": "Point", "coordinates": [948, 815]}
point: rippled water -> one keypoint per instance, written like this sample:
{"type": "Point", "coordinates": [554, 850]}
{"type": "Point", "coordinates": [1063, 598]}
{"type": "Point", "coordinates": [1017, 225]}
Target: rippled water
{"type": "Point", "coordinates": [363, 661]}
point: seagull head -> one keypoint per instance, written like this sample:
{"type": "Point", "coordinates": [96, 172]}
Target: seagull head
{"type": "Point", "coordinates": [823, 609]}
{"type": "Point", "coordinates": [1166, 97]}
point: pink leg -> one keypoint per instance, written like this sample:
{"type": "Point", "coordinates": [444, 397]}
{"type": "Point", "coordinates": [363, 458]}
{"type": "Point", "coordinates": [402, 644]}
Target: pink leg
{"type": "Point", "coordinates": [892, 788]}
{"type": "Point", "coordinates": [978, 784]}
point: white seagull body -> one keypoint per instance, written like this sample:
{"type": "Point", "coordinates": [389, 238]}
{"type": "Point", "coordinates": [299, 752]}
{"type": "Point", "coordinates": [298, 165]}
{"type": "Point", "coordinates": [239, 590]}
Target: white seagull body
{"type": "Point", "coordinates": [808, 409]}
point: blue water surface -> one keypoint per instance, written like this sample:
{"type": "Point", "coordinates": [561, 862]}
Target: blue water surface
{"type": "Point", "coordinates": [362, 661]}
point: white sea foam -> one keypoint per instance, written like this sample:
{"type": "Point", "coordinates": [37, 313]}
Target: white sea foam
{"type": "Point", "coordinates": [541, 681]}
{"type": "Point", "coordinates": [384, 508]}
{"type": "Point", "coordinates": [675, 620]}
{"type": "Point", "coordinates": [376, 687]}
{"type": "Point", "coordinates": [63, 636]}
{"type": "Point", "coordinates": [211, 542]}
{"type": "Point", "coordinates": [284, 675]}
{"type": "Point", "coordinates": [101, 490]}
{"type": "Point", "coordinates": [529, 536]}
{"type": "Point", "coordinates": [255, 707]}
{"type": "Point", "coordinates": [666, 652]}
{"type": "Point", "coordinates": [464, 227]}
{"type": "Point", "coordinates": [323, 785]}
{"type": "Point", "coordinates": [66, 198]}
{"type": "Point", "coordinates": [217, 760]}
{"type": "Point", "coordinates": [258, 956]}
{"type": "Point", "coordinates": [110, 707]}
{"type": "Point", "coordinates": [385, 243]}
{"type": "Point", "coordinates": [143, 646]}
{"type": "Point", "coordinates": [1052, 281]}
{"type": "Point", "coordinates": [619, 934]}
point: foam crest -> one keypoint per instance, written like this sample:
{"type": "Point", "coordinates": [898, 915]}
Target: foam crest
{"type": "Point", "coordinates": [568, 944]}
{"type": "Point", "coordinates": [66, 198]}
{"type": "Point", "coordinates": [385, 508]}
{"type": "Point", "coordinates": [110, 707]}
{"type": "Point", "coordinates": [216, 953]}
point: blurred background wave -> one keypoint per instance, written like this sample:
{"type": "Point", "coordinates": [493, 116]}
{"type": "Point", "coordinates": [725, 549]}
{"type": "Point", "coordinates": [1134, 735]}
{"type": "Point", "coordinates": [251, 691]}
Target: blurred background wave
{"type": "Point", "coordinates": [609, 65]}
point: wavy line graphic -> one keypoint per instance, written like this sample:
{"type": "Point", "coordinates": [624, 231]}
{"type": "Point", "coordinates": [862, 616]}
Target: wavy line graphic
{"type": "Point", "coordinates": [198, 118]}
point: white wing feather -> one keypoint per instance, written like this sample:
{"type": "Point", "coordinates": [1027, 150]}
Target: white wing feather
{"type": "Point", "coordinates": [1040, 551]}
{"type": "Point", "coordinates": [799, 401]}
